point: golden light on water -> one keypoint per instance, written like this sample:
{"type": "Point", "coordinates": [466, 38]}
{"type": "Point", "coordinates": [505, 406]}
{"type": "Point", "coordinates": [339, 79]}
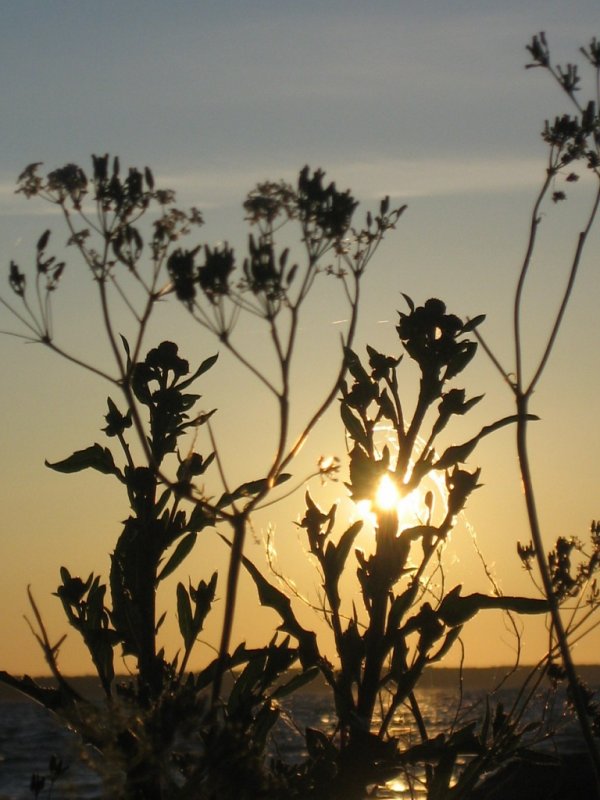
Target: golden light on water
{"type": "Point", "coordinates": [397, 785]}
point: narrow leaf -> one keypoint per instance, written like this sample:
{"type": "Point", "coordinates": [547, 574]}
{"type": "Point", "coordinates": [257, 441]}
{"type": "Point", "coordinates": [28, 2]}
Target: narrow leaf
{"type": "Point", "coordinates": [355, 368]}
{"type": "Point", "coordinates": [204, 367]}
{"type": "Point", "coordinates": [387, 407]}
{"type": "Point", "coordinates": [162, 502]}
{"type": "Point", "coordinates": [200, 518]}
{"type": "Point", "coordinates": [149, 178]}
{"type": "Point", "coordinates": [272, 597]}
{"type": "Point", "coordinates": [451, 637]}
{"type": "Point", "coordinates": [203, 418]}
{"type": "Point", "coordinates": [409, 301]}
{"type": "Point", "coordinates": [471, 324]}
{"type": "Point", "coordinates": [460, 452]}
{"type": "Point", "coordinates": [94, 457]}
{"type": "Point", "coordinates": [345, 545]}
{"type": "Point", "coordinates": [182, 550]}
{"type": "Point", "coordinates": [456, 610]}
{"type": "Point", "coordinates": [43, 241]}
{"type": "Point", "coordinates": [250, 488]}
{"type": "Point", "coordinates": [296, 683]}
{"type": "Point", "coordinates": [353, 426]}
{"type": "Point", "coordinates": [184, 615]}
{"type": "Point", "coordinates": [160, 621]}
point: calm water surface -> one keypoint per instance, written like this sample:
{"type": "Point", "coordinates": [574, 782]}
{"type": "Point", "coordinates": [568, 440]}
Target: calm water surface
{"type": "Point", "coordinates": [29, 736]}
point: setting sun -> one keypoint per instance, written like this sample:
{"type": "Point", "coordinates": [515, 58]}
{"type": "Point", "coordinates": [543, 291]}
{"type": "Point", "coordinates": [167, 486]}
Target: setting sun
{"type": "Point", "coordinates": [317, 510]}
{"type": "Point", "coordinates": [387, 496]}
{"type": "Point", "coordinates": [411, 508]}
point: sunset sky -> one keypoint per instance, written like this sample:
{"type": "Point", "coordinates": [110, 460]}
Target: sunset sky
{"type": "Point", "coordinates": [426, 101]}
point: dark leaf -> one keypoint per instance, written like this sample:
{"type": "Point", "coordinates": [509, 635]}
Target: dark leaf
{"type": "Point", "coordinates": [204, 367]}
{"type": "Point", "coordinates": [149, 178]}
{"type": "Point", "coordinates": [387, 407]}
{"type": "Point", "coordinates": [200, 518]}
{"type": "Point", "coordinates": [409, 301]}
{"type": "Point", "coordinates": [335, 559]}
{"type": "Point", "coordinates": [459, 453]}
{"type": "Point", "coordinates": [183, 549]}
{"type": "Point", "coordinates": [250, 488]}
{"type": "Point", "coordinates": [94, 457]}
{"type": "Point", "coordinates": [344, 546]}
{"type": "Point", "coordinates": [364, 474]}
{"type": "Point", "coordinates": [463, 355]}
{"type": "Point", "coordinates": [451, 637]}
{"type": "Point", "coordinates": [456, 610]}
{"type": "Point", "coordinates": [353, 426]}
{"type": "Point", "coordinates": [159, 623]}
{"type": "Point", "coordinates": [202, 419]}
{"type": "Point", "coordinates": [291, 274]}
{"type": "Point", "coordinates": [203, 596]}
{"type": "Point", "coordinates": [319, 747]}
{"type": "Point", "coordinates": [272, 597]}
{"type": "Point", "coordinates": [471, 324]}
{"type": "Point", "coordinates": [116, 423]}
{"type": "Point", "coordinates": [184, 615]}
{"type": "Point", "coordinates": [296, 682]}
{"type": "Point", "coordinates": [355, 368]}
{"type": "Point", "coordinates": [125, 344]}
{"type": "Point", "coordinates": [162, 502]}
{"type": "Point", "coordinates": [43, 241]}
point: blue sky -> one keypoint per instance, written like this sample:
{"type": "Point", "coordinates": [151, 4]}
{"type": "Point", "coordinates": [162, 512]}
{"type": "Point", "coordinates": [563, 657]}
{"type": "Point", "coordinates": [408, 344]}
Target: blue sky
{"type": "Point", "coordinates": [425, 100]}
{"type": "Point", "coordinates": [234, 87]}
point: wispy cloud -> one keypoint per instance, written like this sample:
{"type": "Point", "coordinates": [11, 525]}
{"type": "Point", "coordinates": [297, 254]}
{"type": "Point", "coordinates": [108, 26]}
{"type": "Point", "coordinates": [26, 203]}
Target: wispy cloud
{"type": "Point", "coordinates": [12, 204]}
{"type": "Point", "coordinates": [215, 188]}
{"type": "Point", "coordinates": [368, 179]}
{"type": "Point", "coordinates": [441, 176]}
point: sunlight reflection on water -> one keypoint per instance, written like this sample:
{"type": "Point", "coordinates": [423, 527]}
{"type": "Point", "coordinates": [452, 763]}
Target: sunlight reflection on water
{"type": "Point", "coordinates": [29, 736]}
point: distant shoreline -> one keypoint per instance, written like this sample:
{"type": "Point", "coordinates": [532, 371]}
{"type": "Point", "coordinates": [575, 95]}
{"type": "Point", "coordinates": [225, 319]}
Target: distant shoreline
{"type": "Point", "coordinates": [445, 678]}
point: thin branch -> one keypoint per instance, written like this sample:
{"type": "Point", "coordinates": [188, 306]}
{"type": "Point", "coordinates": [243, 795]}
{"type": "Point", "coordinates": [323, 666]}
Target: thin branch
{"type": "Point", "coordinates": [218, 460]}
{"type": "Point", "coordinates": [49, 650]}
{"type": "Point", "coordinates": [563, 644]}
{"type": "Point", "coordinates": [567, 294]}
{"type": "Point", "coordinates": [83, 364]}
{"type": "Point", "coordinates": [533, 227]}
{"type": "Point", "coordinates": [32, 327]}
{"type": "Point", "coordinates": [487, 350]}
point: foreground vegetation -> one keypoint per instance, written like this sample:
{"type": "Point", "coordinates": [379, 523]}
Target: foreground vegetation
{"type": "Point", "coordinates": [171, 733]}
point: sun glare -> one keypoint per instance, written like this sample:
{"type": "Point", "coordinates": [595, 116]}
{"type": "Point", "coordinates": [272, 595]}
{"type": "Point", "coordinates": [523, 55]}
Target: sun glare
{"type": "Point", "coordinates": [413, 508]}
{"type": "Point", "coordinates": [410, 508]}
{"type": "Point", "coordinates": [387, 496]}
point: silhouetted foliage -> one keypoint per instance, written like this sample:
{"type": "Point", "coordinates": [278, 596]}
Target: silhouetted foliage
{"type": "Point", "coordinates": [166, 732]}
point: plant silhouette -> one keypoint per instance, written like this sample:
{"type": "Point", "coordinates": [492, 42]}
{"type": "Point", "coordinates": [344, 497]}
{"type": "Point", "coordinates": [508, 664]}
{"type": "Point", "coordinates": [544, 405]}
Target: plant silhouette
{"type": "Point", "coordinates": [168, 732]}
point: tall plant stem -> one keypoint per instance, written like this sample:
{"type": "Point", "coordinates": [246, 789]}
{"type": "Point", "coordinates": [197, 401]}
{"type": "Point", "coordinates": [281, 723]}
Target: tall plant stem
{"type": "Point", "coordinates": [280, 460]}
{"type": "Point", "coordinates": [543, 566]}
{"type": "Point", "coordinates": [237, 548]}
{"type": "Point", "coordinates": [374, 657]}
{"type": "Point", "coordinates": [387, 527]}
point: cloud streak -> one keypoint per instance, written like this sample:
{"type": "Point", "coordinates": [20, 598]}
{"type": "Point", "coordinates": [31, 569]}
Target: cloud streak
{"type": "Point", "coordinates": [215, 188]}
{"type": "Point", "coordinates": [399, 178]}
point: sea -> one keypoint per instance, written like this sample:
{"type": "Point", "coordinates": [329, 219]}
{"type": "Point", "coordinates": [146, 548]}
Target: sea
{"type": "Point", "coordinates": [30, 736]}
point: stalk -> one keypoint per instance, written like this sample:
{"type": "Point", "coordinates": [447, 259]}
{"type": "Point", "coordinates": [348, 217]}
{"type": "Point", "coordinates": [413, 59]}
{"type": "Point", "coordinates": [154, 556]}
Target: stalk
{"type": "Point", "coordinates": [544, 569]}
{"type": "Point", "coordinates": [237, 548]}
